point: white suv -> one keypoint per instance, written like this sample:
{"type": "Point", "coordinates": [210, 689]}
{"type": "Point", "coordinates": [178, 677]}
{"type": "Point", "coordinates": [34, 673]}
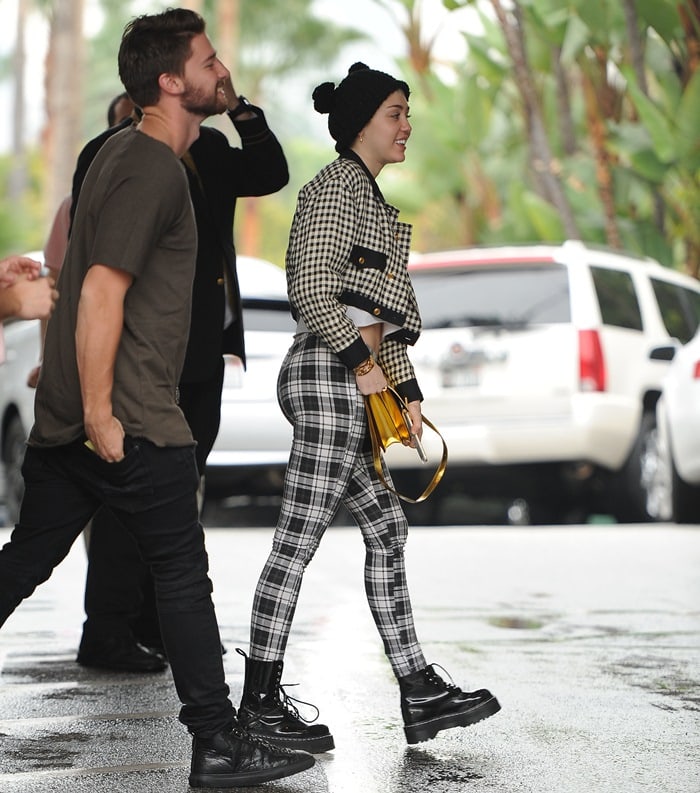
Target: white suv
{"type": "Point", "coordinates": [541, 365]}
{"type": "Point", "coordinates": [535, 364]}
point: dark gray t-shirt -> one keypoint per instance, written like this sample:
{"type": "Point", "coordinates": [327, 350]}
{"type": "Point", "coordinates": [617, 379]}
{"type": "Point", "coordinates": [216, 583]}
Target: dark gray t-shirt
{"type": "Point", "coordinates": [134, 214]}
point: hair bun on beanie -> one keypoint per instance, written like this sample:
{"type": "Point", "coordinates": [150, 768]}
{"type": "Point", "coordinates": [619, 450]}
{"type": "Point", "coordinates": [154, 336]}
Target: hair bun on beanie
{"type": "Point", "coordinates": [357, 98]}
{"type": "Point", "coordinates": [323, 97]}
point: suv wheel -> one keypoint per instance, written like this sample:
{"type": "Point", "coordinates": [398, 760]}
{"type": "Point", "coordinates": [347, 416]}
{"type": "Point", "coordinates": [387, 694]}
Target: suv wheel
{"type": "Point", "coordinates": [656, 474]}
{"type": "Point", "coordinates": [633, 486]}
{"type": "Point", "coordinates": [13, 455]}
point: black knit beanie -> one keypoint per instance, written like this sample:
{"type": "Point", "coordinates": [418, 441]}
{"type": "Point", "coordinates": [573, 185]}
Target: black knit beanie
{"type": "Point", "coordinates": [353, 103]}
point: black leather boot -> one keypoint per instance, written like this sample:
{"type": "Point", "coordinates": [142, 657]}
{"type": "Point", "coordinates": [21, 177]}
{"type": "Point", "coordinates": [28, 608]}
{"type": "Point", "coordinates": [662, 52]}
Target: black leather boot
{"type": "Point", "coordinates": [429, 704]}
{"type": "Point", "coordinates": [267, 712]}
{"type": "Point", "coordinates": [119, 654]}
{"type": "Point", "coordinates": [235, 759]}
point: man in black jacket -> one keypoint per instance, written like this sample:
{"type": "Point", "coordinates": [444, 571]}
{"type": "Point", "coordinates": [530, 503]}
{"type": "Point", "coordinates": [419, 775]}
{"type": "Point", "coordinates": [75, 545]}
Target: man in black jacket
{"type": "Point", "coordinates": [121, 630]}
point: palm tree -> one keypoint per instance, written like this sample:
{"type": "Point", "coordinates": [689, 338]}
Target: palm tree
{"type": "Point", "coordinates": [18, 174]}
{"type": "Point", "coordinates": [64, 71]}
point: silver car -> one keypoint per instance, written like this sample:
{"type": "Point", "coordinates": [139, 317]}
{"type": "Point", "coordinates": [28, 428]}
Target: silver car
{"type": "Point", "coordinates": [252, 448]}
{"type": "Point", "coordinates": [673, 461]}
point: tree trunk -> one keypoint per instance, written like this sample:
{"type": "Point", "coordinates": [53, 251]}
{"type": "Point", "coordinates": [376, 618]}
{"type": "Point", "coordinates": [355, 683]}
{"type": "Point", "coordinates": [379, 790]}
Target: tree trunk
{"type": "Point", "coordinates": [64, 93]}
{"type": "Point", "coordinates": [690, 19]}
{"type": "Point", "coordinates": [408, 16]}
{"type": "Point", "coordinates": [228, 38]}
{"type": "Point", "coordinates": [564, 115]}
{"type": "Point", "coordinates": [604, 178]}
{"type": "Point", "coordinates": [636, 44]}
{"type": "Point", "coordinates": [18, 175]}
{"type": "Point", "coordinates": [543, 165]}
{"type": "Point", "coordinates": [692, 265]}
{"type": "Point", "coordinates": [636, 47]}
{"type": "Point", "coordinates": [229, 34]}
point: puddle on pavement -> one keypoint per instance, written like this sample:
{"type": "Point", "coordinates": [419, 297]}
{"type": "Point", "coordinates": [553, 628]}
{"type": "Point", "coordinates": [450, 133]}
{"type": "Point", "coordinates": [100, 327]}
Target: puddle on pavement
{"type": "Point", "coordinates": [661, 676]}
{"type": "Point", "coordinates": [426, 770]}
{"type": "Point", "coordinates": [516, 623]}
{"type": "Point", "coordinates": [49, 750]}
{"type": "Point", "coordinates": [70, 694]}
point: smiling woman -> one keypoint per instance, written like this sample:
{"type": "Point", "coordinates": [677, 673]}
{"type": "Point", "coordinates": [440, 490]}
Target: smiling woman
{"type": "Point", "coordinates": [356, 314]}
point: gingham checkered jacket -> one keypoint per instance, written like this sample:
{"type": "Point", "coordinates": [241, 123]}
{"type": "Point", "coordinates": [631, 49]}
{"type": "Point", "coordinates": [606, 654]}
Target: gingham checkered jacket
{"type": "Point", "coordinates": [347, 247]}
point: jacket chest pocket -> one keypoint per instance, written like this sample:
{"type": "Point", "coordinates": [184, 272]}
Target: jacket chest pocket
{"type": "Point", "coordinates": [367, 259]}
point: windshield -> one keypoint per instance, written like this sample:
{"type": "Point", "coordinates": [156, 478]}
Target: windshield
{"type": "Point", "coordinates": [509, 297]}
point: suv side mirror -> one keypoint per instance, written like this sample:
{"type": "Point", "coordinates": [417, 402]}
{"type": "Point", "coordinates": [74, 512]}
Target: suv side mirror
{"type": "Point", "coordinates": [665, 352]}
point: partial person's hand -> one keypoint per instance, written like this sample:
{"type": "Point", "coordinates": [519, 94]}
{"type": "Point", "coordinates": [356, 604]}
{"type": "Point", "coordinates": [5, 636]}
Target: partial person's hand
{"type": "Point", "coordinates": [13, 267]}
{"type": "Point", "coordinates": [373, 382]}
{"type": "Point", "coordinates": [233, 101]}
{"type": "Point", "coordinates": [107, 439]}
{"type": "Point", "coordinates": [416, 421]}
{"type": "Point", "coordinates": [33, 376]}
{"type": "Point", "coordinates": [35, 299]}
{"type": "Point", "coordinates": [227, 89]}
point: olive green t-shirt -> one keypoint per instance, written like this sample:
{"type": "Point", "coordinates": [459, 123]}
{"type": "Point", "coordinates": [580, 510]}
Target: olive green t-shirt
{"type": "Point", "coordinates": [134, 213]}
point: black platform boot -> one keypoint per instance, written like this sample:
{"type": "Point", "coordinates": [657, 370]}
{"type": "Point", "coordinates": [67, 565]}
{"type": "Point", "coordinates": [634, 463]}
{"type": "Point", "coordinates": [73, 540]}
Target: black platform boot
{"type": "Point", "coordinates": [234, 759]}
{"type": "Point", "coordinates": [267, 712]}
{"type": "Point", "coordinates": [429, 704]}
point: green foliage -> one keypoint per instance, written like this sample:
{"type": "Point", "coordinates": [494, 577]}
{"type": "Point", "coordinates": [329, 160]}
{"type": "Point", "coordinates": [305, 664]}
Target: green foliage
{"type": "Point", "coordinates": [468, 175]}
{"type": "Point", "coordinates": [21, 222]}
{"type": "Point", "coordinates": [651, 138]}
{"type": "Point", "coordinates": [273, 42]}
{"type": "Point", "coordinates": [104, 83]}
{"type": "Point", "coordinates": [276, 211]}
{"type": "Point", "coordinates": [662, 16]}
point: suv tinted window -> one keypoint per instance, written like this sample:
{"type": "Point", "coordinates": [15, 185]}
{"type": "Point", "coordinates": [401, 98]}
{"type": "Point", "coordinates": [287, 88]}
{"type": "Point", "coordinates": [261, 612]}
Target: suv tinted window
{"type": "Point", "coordinates": [680, 309]}
{"type": "Point", "coordinates": [516, 295]}
{"type": "Point", "coordinates": [617, 299]}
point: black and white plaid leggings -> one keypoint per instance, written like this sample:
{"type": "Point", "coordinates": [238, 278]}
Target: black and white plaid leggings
{"type": "Point", "coordinates": [330, 463]}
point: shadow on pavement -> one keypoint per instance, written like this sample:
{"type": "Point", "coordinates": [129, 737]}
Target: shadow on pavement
{"type": "Point", "coordinates": [262, 511]}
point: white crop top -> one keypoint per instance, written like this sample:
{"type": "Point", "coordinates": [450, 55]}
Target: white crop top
{"type": "Point", "coordinates": [360, 318]}
{"type": "Point", "coordinates": [363, 318]}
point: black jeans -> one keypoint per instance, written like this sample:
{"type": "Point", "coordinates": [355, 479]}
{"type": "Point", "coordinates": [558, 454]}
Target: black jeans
{"type": "Point", "coordinates": [119, 599]}
{"type": "Point", "coordinates": [152, 492]}
{"type": "Point", "coordinates": [119, 592]}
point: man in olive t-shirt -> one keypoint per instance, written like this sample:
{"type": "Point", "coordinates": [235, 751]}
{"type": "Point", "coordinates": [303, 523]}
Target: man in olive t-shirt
{"type": "Point", "coordinates": [117, 218]}
{"type": "Point", "coordinates": [108, 430]}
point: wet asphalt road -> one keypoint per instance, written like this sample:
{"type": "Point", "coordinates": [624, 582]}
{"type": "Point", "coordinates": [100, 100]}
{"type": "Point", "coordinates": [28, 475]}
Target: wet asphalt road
{"type": "Point", "coordinates": [589, 636]}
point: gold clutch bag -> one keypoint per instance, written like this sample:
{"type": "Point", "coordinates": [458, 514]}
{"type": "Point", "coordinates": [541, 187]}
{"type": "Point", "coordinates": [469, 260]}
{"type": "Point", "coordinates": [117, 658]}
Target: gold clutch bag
{"type": "Point", "coordinates": [388, 418]}
{"type": "Point", "coordinates": [389, 422]}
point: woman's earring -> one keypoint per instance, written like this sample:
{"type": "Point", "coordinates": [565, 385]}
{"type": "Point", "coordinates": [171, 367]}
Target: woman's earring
{"type": "Point", "coordinates": [362, 138]}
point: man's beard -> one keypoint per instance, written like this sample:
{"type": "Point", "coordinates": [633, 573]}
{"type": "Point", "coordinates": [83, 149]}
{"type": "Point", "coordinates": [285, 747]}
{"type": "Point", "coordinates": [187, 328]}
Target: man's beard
{"type": "Point", "coordinates": [194, 101]}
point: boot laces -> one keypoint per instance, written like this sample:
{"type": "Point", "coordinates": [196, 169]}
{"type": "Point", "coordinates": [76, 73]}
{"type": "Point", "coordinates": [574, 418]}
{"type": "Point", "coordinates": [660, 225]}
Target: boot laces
{"type": "Point", "coordinates": [289, 704]}
{"type": "Point", "coordinates": [436, 679]}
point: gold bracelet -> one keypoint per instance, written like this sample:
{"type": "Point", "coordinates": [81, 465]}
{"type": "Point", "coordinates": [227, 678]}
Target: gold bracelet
{"type": "Point", "coordinates": [365, 367]}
